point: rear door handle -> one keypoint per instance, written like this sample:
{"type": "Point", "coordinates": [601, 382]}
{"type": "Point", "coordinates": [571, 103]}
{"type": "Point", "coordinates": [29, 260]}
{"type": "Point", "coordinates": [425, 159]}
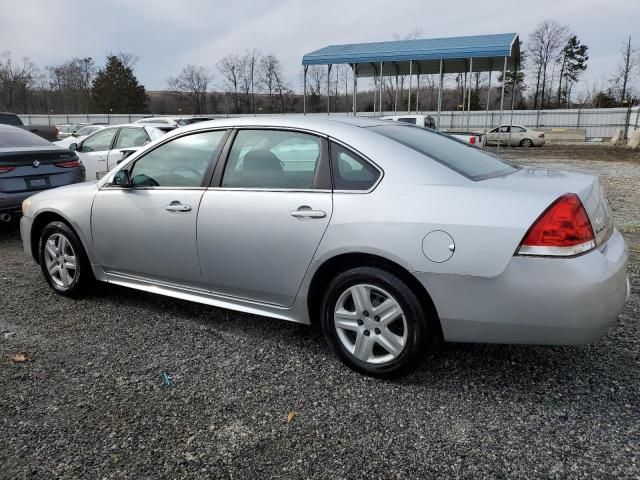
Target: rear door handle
{"type": "Point", "coordinates": [177, 207]}
{"type": "Point", "coordinates": [307, 212]}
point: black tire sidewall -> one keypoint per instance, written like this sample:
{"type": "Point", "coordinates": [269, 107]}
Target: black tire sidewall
{"type": "Point", "coordinates": [417, 324]}
{"type": "Point", "coordinates": [526, 143]}
{"type": "Point", "coordinates": [83, 274]}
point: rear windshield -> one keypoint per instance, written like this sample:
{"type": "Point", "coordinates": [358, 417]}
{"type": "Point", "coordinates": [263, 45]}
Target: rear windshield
{"type": "Point", "coordinates": [21, 138]}
{"type": "Point", "coordinates": [472, 162]}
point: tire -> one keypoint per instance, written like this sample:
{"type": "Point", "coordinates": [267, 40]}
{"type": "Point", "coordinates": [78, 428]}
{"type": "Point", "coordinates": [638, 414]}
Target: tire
{"type": "Point", "coordinates": [58, 249]}
{"type": "Point", "coordinates": [368, 343]}
{"type": "Point", "coordinates": [526, 143]}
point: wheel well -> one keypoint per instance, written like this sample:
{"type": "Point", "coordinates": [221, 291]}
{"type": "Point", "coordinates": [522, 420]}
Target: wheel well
{"type": "Point", "coordinates": [38, 225]}
{"type": "Point", "coordinates": [341, 263]}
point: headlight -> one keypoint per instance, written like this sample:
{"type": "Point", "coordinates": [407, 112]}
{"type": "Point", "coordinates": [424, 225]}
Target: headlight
{"type": "Point", "coordinates": [26, 207]}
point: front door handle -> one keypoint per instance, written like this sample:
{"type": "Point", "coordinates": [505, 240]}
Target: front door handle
{"type": "Point", "coordinates": [177, 207]}
{"type": "Point", "coordinates": [307, 212]}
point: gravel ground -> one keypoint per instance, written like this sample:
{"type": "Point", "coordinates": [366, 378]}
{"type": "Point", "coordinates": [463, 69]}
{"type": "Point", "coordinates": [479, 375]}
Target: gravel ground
{"type": "Point", "coordinates": [90, 401]}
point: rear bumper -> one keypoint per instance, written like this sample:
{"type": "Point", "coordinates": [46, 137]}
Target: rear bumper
{"type": "Point", "coordinates": [551, 301]}
{"type": "Point", "coordinates": [12, 202]}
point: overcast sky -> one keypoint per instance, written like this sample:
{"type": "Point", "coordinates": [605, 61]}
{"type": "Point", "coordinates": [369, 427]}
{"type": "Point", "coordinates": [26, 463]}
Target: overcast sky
{"type": "Point", "coordinates": [170, 34]}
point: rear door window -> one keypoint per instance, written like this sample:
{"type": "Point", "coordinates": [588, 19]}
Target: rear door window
{"type": "Point", "coordinates": [273, 159]}
{"type": "Point", "coordinates": [472, 162]}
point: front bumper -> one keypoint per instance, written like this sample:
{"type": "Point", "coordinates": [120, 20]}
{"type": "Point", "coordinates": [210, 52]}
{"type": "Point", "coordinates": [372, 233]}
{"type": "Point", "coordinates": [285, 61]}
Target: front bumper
{"type": "Point", "coordinates": [25, 235]}
{"type": "Point", "coordinates": [536, 300]}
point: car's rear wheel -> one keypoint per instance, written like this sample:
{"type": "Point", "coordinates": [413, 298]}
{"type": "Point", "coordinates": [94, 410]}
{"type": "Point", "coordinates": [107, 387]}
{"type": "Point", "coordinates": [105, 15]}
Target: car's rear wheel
{"type": "Point", "coordinates": [63, 260]}
{"type": "Point", "coordinates": [526, 143]}
{"type": "Point", "coordinates": [374, 322]}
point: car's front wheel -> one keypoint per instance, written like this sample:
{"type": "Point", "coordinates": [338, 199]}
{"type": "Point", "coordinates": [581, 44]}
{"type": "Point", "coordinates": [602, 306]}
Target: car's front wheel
{"type": "Point", "coordinates": [63, 260]}
{"type": "Point", "coordinates": [374, 322]}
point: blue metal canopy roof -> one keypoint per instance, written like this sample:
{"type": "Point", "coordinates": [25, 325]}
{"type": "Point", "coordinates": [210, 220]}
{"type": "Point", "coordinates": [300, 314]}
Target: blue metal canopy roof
{"type": "Point", "coordinates": [487, 52]}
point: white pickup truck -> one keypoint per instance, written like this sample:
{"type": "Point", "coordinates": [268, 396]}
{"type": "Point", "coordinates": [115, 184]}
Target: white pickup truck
{"type": "Point", "coordinates": [426, 121]}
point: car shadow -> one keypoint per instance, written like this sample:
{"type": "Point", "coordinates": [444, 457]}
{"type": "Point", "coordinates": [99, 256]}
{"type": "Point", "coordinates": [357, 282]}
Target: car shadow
{"type": "Point", "coordinates": [511, 372]}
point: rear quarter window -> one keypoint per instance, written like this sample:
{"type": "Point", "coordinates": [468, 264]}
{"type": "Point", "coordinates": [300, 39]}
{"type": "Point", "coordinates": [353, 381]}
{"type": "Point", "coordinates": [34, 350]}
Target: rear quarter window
{"type": "Point", "coordinates": [472, 162]}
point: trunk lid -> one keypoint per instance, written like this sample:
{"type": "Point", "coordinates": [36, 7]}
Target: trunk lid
{"type": "Point", "coordinates": [35, 168]}
{"type": "Point", "coordinates": [559, 182]}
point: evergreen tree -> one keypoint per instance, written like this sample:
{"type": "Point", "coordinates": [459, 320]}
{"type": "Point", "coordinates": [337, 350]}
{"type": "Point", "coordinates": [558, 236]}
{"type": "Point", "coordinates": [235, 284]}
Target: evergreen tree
{"type": "Point", "coordinates": [116, 89]}
{"type": "Point", "coordinates": [573, 62]}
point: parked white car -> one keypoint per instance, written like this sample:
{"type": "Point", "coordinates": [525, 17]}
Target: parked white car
{"type": "Point", "coordinates": [515, 135]}
{"type": "Point", "coordinates": [169, 123]}
{"type": "Point", "coordinates": [102, 150]}
{"type": "Point", "coordinates": [81, 134]}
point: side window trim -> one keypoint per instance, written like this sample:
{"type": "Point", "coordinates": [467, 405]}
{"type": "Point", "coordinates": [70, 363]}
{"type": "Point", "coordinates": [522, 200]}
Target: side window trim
{"type": "Point", "coordinates": [214, 161]}
{"type": "Point", "coordinates": [362, 157]}
{"type": "Point", "coordinates": [322, 177]}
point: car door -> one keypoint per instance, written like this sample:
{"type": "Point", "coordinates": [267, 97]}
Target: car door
{"type": "Point", "coordinates": [517, 134]}
{"type": "Point", "coordinates": [128, 137]}
{"type": "Point", "coordinates": [94, 151]}
{"type": "Point", "coordinates": [260, 224]}
{"type": "Point", "coordinates": [148, 229]}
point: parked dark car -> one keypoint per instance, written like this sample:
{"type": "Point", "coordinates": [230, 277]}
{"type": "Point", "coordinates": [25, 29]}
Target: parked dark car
{"type": "Point", "coordinates": [48, 132]}
{"type": "Point", "coordinates": [29, 164]}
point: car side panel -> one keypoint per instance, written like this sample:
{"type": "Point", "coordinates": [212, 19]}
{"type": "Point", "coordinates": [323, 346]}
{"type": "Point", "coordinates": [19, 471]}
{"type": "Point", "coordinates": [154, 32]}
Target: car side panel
{"type": "Point", "coordinates": [487, 225]}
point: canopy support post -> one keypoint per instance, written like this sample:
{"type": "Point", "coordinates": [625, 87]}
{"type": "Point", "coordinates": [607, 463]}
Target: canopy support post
{"type": "Point", "coordinates": [304, 88]}
{"type": "Point", "coordinates": [395, 103]}
{"type": "Point", "coordinates": [418, 89]}
{"type": "Point", "coordinates": [513, 99]}
{"type": "Point", "coordinates": [329, 89]}
{"type": "Point", "coordinates": [469, 93]}
{"type": "Point", "coordinates": [410, 75]}
{"type": "Point", "coordinates": [489, 98]}
{"type": "Point", "coordinates": [355, 89]}
{"type": "Point", "coordinates": [504, 74]}
{"type": "Point", "coordinates": [439, 95]}
{"type": "Point", "coordinates": [380, 109]}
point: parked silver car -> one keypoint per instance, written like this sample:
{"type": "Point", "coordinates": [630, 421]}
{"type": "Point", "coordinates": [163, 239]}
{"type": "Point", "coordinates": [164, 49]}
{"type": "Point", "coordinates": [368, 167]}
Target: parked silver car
{"type": "Point", "coordinates": [387, 235]}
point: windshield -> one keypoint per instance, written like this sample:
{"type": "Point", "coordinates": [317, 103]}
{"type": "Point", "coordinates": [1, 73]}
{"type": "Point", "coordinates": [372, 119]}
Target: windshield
{"type": "Point", "coordinates": [472, 162]}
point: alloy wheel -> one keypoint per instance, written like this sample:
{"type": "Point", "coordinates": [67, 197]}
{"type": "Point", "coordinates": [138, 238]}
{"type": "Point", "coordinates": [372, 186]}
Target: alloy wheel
{"type": "Point", "coordinates": [370, 324]}
{"type": "Point", "coordinates": [60, 260]}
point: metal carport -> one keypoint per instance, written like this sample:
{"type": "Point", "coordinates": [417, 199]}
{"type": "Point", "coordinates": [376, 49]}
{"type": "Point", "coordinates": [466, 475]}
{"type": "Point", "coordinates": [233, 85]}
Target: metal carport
{"type": "Point", "coordinates": [477, 53]}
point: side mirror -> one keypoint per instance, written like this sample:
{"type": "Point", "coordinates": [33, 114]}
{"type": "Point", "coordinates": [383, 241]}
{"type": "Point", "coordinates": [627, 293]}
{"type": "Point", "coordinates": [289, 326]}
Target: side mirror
{"type": "Point", "coordinates": [73, 147]}
{"type": "Point", "coordinates": [122, 179]}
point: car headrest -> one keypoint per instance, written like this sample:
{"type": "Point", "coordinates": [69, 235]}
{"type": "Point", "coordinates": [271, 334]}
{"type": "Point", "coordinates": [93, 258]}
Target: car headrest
{"type": "Point", "coordinates": [261, 161]}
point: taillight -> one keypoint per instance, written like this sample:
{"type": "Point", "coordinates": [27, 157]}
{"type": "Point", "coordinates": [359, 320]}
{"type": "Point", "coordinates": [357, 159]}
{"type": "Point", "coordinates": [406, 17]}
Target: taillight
{"type": "Point", "coordinates": [472, 140]}
{"type": "Point", "coordinates": [541, 135]}
{"type": "Point", "coordinates": [71, 164]}
{"type": "Point", "coordinates": [563, 229]}
{"type": "Point", "coordinates": [6, 169]}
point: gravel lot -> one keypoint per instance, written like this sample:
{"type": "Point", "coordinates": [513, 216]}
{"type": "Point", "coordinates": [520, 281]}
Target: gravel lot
{"type": "Point", "coordinates": [90, 400]}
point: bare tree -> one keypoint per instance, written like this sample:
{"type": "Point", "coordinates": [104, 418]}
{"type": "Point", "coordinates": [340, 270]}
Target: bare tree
{"type": "Point", "coordinates": [545, 44]}
{"type": "Point", "coordinates": [70, 84]}
{"type": "Point", "coordinates": [129, 60]}
{"type": "Point", "coordinates": [249, 63]}
{"type": "Point", "coordinates": [17, 80]}
{"type": "Point", "coordinates": [231, 69]}
{"type": "Point", "coordinates": [192, 82]}
{"type": "Point", "coordinates": [316, 81]}
{"type": "Point", "coordinates": [627, 70]}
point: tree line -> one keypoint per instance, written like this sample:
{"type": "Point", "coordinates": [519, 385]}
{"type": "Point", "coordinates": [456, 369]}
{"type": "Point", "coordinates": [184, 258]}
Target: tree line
{"type": "Point", "coordinates": [553, 62]}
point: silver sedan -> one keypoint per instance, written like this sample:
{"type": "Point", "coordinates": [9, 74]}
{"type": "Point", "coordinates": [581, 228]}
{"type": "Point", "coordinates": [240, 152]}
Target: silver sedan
{"type": "Point", "coordinates": [388, 236]}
